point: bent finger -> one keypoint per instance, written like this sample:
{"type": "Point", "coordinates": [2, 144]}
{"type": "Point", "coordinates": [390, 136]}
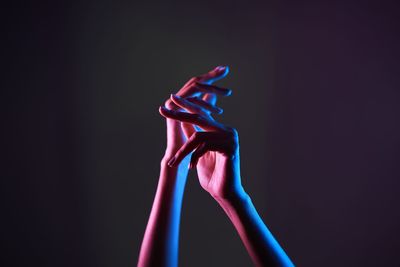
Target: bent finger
{"type": "Point", "coordinates": [202, 122]}
{"type": "Point", "coordinates": [205, 105]}
{"type": "Point", "coordinates": [187, 105]}
{"type": "Point", "coordinates": [194, 141]}
{"type": "Point", "coordinates": [197, 154]}
{"type": "Point", "coordinates": [216, 74]}
{"type": "Point", "coordinates": [210, 98]}
{"type": "Point", "coordinates": [208, 88]}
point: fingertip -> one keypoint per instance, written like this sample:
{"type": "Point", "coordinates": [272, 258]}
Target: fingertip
{"type": "Point", "coordinates": [175, 99]}
{"type": "Point", "coordinates": [169, 104]}
{"type": "Point", "coordinates": [223, 70]}
{"type": "Point", "coordinates": [171, 161]}
{"type": "Point", "coordinates": [160, 110]}
{"type": "Point", "coordinates": [226, 92]}
{"type": "Point", "coordinates": [163, 110]}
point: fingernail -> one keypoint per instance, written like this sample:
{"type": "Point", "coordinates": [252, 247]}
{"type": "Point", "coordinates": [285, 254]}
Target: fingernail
{"type": "Point", "coordinates": [165, 109]}
{"type": "Point", "coordinates": [176, 97]}
{"type": "Point", "coordinates": [171, 161]}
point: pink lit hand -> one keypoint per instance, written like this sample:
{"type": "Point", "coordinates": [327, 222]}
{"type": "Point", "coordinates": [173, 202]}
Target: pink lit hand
{"type": "Point", "coordinates": [215, 149]}
{"type": "Point", "coordinates": [216, 155]}
{"type": "Point", "coordinates": [161, 238]}
{"type": "Point", "coordinates": [199, 91]}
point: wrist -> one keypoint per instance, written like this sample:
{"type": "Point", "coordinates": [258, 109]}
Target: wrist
{"type": "Point", "coordinates": [177, 172]}
{"type": "Point", "coordinates": [234, 198]}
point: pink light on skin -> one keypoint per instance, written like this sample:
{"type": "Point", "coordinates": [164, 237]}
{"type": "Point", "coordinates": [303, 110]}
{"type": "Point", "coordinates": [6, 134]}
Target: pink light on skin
{"type": "Point", "coordinates": [161, 238]}
{"type": "Point", "coordinates": [214, 152]}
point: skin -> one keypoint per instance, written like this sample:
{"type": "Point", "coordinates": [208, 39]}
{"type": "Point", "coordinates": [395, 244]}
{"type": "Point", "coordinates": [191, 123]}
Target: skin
{"type": "Point", "coordinates": [161, 238]}
{"type": "Point", "coordinates": [196, 139]}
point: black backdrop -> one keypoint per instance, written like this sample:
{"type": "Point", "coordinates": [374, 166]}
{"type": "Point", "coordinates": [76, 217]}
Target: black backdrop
{"type": "Point", "coordinates": [316, 102]}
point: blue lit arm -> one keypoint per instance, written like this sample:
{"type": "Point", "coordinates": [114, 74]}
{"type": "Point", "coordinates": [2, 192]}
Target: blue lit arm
{"type": "Point", "coordinates": [215, 154]}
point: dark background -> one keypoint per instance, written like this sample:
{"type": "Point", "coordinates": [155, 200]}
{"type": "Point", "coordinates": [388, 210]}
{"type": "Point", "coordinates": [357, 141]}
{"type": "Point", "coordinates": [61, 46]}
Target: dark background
{"type": "Point", "coordinates": [316, 102]}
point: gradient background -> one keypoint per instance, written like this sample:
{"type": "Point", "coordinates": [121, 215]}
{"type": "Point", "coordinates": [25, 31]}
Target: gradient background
{"type": "Point", "coordinates": [316, 102]}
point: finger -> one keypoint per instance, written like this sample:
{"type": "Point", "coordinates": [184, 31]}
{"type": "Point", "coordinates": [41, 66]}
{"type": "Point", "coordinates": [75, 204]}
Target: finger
{"type": "Point", "coordinates": [208, 78]}
{"type": "Point", "coordinates": [197, 89]}
{"type": "Point", "coordinates": [205, 105]}
{"type": "Point", "coordinates": [194, 141]}
{"type": "Point", "coordinates": [187, 105]}
{"type": "Point", "coordinates": [207, 88]}
{"type": "Point", "coordinates": [204, 123]}
{"type": "Point", "coordinates": [214, 75]}
{"type": "Point", "coordinates": [197, 154]}
{"type": "Point", "coordinates": [195, 105]}
{"type": "Point", "coordinates": [188, 129]}
{"type": "Point", "coordinates": [170, 105]}
{"type": "Point", "coordinates": [210, 98]}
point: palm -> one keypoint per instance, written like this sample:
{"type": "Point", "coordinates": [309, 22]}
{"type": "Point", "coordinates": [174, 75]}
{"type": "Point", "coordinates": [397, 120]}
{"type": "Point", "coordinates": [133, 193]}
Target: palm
{"type": "Point", "coordinates": [211, 178]}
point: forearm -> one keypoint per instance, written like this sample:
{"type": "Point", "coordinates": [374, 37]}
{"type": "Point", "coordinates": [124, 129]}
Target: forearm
{"type": "Point", "coordinates": [258, 240]}
{"type": "Point", "coordinates": [161, 238]}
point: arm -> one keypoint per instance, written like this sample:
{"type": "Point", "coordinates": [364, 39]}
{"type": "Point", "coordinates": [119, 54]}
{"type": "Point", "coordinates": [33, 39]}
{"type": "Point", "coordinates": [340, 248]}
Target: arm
{"type": "Point", "coordinates": [258, 240]}
{"type": "Point", "coordinates": [160, 242]}
{"type": "Point", "coordinates": [216, 157]}
{"type": "Point", "coordinates": [161, 238]}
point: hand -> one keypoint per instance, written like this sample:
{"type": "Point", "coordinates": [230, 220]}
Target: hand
{"type": "Point", "coordinates": [216, 155]}
{"type": "Point", "coordinates": [200, 91]}
{"type": "Point", "coordinates": [215, 149]}
{"type": "Point", "coordinates": [161, 238]}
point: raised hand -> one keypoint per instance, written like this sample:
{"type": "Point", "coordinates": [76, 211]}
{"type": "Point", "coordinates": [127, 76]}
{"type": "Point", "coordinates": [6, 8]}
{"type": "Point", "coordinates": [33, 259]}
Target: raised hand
{"type": "Point", "coordinates": [215, 148]}
{"type": "Point", "coordinates": [215, 151]}
{"type": "Point", "coordinates": [161, 238]}
{"type": "Point", "coordinates": [199, 91]}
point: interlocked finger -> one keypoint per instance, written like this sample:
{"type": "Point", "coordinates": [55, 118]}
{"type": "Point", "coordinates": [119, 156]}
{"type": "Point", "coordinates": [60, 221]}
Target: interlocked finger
{"type": "Point", "coordinates": [206, 123]}
{"type": "Point", "coordinates": [204, 104]}
{"type": "Point", "coordinates": [194, 141]}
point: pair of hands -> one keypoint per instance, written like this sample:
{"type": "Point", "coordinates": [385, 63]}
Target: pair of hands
{"type": "Point", "coordinates": [191, 129]}
{"type": "Point", "coordinates": [214, 151]}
